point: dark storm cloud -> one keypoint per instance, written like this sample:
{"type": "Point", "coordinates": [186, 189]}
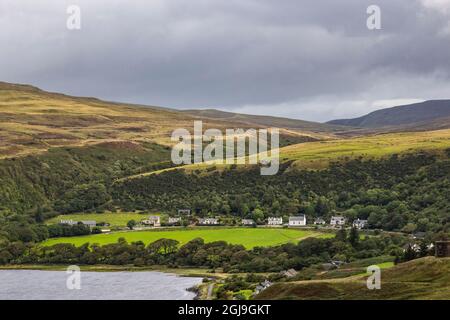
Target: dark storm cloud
{"type": "Point", "coordinates": [305, 59]}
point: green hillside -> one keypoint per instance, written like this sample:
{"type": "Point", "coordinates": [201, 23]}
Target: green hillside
{"type": "Point", "coordinates": [266, 121]}
{"type": "Point", "coordinates": [425, 278]}
{"type": "Point", "coordinates": [33, 121]}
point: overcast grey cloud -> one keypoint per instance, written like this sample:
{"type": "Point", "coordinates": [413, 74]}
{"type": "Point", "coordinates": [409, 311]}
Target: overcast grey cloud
{"type": "Point", "coordinates": [312, 59]}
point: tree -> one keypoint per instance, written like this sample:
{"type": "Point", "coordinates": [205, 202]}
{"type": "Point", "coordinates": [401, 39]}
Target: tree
{"type": "Point", "coordinates": [353, 237]}
{"type": "Point", "coordinates": [258, 215]}
{"type": "Point", "coordinates": [131, 224]}
{"type": "Point", "coordinates": [410, 253]}
{"type": "Point", "coordinates": [341, 235]}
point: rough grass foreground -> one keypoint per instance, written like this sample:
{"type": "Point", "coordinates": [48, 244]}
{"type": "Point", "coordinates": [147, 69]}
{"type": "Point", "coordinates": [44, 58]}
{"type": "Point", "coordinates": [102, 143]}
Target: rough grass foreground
{"type": "Point", "coordinates": [248, 237]}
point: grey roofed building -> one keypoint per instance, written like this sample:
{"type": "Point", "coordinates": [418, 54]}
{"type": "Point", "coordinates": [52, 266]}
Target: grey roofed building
{"type": "Point", "coordinates": [90, 223]}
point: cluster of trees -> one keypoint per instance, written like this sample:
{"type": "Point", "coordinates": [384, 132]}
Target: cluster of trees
{"type": "Point", "coordinates": [63, 230]}
{"type": "Point", "coordinates": [27, 229]}
{"type": "Point", "coordinates": [72, 179]}
{"type": "Point", "coordinates": [219, 254]}
{"type": "Point", "coordinates": [408, 193]}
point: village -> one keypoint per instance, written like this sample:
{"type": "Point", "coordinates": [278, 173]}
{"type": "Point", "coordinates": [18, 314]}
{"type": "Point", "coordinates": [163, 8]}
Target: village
{"type": "Point", "coordinates": [184, 218]}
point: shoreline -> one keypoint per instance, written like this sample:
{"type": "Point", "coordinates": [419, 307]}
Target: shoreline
{"type": "Point", "coordinates": [182, 272]}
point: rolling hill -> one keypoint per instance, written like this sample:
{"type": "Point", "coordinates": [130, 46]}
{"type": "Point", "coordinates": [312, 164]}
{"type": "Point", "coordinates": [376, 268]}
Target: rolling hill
{"type": "Point", "coordinates": [266, 121]}
{"type": "Point", "coordinates": [319, 154]}
{"type": "Point", "coordinates": [33, 121]}
{"type": "Point", "coordinates": [425, 278]}
{"type": "Point", "coordinates": [431, 114]}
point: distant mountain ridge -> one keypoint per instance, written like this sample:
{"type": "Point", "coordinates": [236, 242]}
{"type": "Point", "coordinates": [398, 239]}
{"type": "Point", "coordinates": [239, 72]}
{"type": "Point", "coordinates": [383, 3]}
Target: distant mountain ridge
{"type": "Point", "coordinates": [421, 113]}
{"type": "Point", "coordinates": [33, 121]}
{"type": "Point", "coordinates": [262, 120]}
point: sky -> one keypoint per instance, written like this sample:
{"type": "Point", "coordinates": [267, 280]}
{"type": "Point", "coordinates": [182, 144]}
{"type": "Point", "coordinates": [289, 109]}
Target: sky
{"type": "Point", "coordinates": [313, 59]}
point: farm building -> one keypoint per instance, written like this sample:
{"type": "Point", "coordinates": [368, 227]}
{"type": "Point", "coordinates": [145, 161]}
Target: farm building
{"type": "Point", "coordinates": [297, 221]}
{"type": "Point", "coordinates": [274, 221]}
{"type": "Point", "coordinates": [337, 221]}
{"type": "Point", "coordinates": [359, 224]}
{"type": "Point", "coordinates": [152, 221]}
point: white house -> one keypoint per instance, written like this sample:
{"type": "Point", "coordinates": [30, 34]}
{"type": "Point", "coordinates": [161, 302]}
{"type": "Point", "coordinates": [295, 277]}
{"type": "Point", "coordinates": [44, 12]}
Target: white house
{"type": "Point", "coordinates": [68, 222]}
{"type": "Point", "coordinates": [337, 221]}
{"type": "Point", "coordinates": [275, 221]}
{"type": "Point", "coordinates": [297, 221]}
{"type": "Point", "coordinates": [319, 221]}
{"type": "Point", "coordinates": [152, 221]}
{"type": "Point", "coordinates": [359, 224]}
{"type": "Point", "coordinates": [174, 220]}
{"type": "Point", "coordinates": [248, 222]}
{"type": "Point", "coordinates": [208, 221]}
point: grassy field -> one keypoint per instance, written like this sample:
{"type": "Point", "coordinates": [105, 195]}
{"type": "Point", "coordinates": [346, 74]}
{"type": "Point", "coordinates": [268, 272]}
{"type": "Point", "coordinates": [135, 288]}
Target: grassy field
{"type": "Point", "coordinates": [318, 155]}
{"type": "Point", "coordinates": [248, 237]}
{"type": "Point", "coordinates": [119, 219]}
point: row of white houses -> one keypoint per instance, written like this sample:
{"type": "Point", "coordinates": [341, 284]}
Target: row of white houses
{"type": "Point", "coordinates": [294, 221]}
{"type": "Point", "coordinates": [335, 221]}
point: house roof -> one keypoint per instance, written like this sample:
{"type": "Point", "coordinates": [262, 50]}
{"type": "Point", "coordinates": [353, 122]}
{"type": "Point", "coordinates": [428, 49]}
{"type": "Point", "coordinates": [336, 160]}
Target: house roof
{"type": "Point", "coordinates": [297, 218]}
